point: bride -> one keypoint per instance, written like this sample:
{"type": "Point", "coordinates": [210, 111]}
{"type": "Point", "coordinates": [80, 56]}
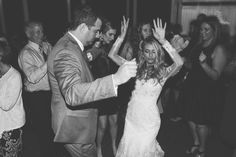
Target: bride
{"type": "Point", "coordinates": [142, 120]}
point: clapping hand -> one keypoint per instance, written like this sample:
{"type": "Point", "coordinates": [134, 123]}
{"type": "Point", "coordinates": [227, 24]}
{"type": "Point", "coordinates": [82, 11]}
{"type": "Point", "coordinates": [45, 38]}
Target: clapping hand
{"type": "Point", "coordinates": [124, 27]}
{"type": "Point", "coordinates": [159, 31]}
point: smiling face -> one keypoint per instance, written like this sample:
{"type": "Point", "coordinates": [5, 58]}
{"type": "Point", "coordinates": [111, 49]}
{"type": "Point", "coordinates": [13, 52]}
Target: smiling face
{"type": "Point", "coordinates": [35, 33]}
{"type": "Point", "coordinates": [206, 32]}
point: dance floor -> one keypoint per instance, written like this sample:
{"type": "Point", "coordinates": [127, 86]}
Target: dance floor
{"type": "Point", "coordinates": [174, 138]}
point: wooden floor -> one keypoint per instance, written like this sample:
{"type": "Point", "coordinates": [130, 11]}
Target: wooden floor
{"type": "Point", "coordinates": [174, 138]}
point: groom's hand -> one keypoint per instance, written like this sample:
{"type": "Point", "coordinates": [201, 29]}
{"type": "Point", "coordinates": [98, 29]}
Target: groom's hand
{"type": "Point", "coordinates": [125, 72]}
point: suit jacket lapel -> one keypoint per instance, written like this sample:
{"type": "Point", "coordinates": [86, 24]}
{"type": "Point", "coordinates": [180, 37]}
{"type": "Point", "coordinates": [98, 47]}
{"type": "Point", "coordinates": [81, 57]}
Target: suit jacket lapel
{"type": "Point", "coordinates": [84, 63]}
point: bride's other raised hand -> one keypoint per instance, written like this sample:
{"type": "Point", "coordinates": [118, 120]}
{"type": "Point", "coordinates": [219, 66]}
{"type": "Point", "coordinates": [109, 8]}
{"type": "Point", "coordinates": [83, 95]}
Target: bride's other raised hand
{"type": "Point", "coordinates": [124, 27]}
{"type": "Point", "coordinates": [159, 30]}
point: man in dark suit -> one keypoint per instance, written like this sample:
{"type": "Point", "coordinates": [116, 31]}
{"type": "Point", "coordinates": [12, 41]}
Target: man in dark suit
{"type": "Point", "coordinates": [74, 120]}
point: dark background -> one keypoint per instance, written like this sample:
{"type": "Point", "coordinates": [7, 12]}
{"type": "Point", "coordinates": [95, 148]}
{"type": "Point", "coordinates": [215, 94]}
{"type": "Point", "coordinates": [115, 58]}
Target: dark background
{"type": "Point", "coordinates": [53, 13]}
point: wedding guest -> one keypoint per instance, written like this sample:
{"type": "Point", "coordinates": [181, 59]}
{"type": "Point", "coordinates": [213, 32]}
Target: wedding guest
{"type": "Point", "coordinates": [32, 61]}
{"type": "Point", "coordinates": [12, 113]}
{"type": "Point", "coordinates": [74, 90]}
{"type": "Point", "coordinates": [202, 91]}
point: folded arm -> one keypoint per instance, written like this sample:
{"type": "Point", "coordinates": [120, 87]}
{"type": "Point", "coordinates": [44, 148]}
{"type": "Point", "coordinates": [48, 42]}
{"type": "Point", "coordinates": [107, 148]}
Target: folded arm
{"type": "Point", "coordinates": [219, 60]}
{"type": "Point", "coordinates": [33, 72]}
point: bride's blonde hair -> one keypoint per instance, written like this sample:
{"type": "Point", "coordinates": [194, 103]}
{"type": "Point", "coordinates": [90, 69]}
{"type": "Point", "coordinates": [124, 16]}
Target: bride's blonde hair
{"type": "Point", "coordinates": [156, 71]}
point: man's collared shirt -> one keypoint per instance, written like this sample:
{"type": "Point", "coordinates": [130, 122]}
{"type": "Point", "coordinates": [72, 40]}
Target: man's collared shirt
{"type": "Point", "coordinates": [78, 41]}
{"type": "Point", "coordinates": [32, 63]}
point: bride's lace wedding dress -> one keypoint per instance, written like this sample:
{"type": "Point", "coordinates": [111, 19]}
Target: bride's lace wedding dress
{"type": "Point", "coordinates": [142, 122]}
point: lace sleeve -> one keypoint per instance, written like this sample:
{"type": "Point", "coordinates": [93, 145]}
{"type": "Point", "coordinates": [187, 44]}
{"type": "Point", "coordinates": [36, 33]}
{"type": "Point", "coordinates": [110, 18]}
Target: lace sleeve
{"type": "Point", "coordinates": [178, 62]}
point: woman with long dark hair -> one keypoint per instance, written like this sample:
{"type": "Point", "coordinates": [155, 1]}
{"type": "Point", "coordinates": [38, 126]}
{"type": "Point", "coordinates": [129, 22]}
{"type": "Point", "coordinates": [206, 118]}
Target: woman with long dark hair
{"type": "Point", "coordinates": [203, 85]}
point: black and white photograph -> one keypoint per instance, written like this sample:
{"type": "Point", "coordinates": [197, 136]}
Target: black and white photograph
{"type": "Point", "coordinates": [117, 78]}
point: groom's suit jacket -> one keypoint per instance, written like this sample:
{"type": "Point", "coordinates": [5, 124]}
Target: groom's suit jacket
{"type": "Point", "coordinates": [73, 89]}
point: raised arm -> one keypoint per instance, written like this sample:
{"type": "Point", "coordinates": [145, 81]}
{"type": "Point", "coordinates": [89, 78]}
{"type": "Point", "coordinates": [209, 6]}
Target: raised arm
{"type": "Point", "coordinates": [159, 34]}
{"type": "Point", "coordinates": [113, 53]}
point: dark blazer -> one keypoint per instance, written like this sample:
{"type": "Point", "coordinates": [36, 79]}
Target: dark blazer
{"type": "Point", "coordinates": [73, 89]}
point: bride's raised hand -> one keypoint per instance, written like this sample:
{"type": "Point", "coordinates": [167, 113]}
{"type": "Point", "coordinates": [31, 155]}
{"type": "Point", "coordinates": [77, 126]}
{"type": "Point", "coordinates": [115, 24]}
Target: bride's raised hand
{"type": "Point", "coordinates": [124, 27]}
{"type": "Point", "coordinates": [159, 30]}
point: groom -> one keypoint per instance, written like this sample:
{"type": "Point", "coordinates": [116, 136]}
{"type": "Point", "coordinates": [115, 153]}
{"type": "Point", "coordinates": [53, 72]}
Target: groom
{"type": "Point", "coordinates": [74, 121]}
